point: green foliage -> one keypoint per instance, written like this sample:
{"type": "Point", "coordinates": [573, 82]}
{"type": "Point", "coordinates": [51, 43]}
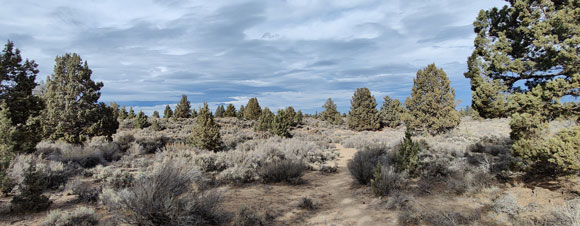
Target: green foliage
{"type": "Point", "coordinates": [220, 111]}
{"type": "Point", "coordinates": [194, 113]}
{"type": "Point", "coordinates": [265, 120]}
{"type": "Point", "coordinates": [155, 125]}
{"type": "Point", "coordinates": [31, 198]}
{"type": "Point", "coordinates": [206, 133]}
{"type": "Point", "coordinates": [123, 114]}
{"type": "Point", "coordinates": [167, 113]}
{"type": "Point", "coordinates": [115, 107]}
{"type": "Point", "coordinates": [281, 124]}
{"type": "Point", "coordinates": [431, 107]}
{"type": "Point", "coordinates": [155, 114]}
{"type": "Point", "coordinates": [299, 118]}
{"type": "Point", "coordinates": [17, 138]}
{"type": "Point", "coordinates": [140, 120]}
{"type": "Point", "coordinates": [362, 165]}
{"type": "Point", "coordinates": [6, 144]}
{"type": "Point", "coordinates": [240, 114]}
{"type": "Point", "coordinates": [551, 155]}
{"type": "Point", "coordinates": [291, 115]}
{"type": "Point", "coordinates": [230, 111]}
{"type": "Point", "coordinates": [330, 114]}
{"type": "Point", "coordinates": [363, 111]}
{"type": "Point", "coordinates": [72, 113]}
{"type": "Point", "coordinates": [183, 108]}
{"type": "Point", "coordinates": [391, 112]}
{"type": "Point", "coordinates": [252, 110]}
{"type": "Point", "coordinates": [407, 158]}
{"type": "Point", "coordinates": [131, 114]}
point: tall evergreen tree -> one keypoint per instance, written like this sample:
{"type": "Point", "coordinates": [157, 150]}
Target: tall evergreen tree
{"type": "Point", "coordinates": [168, 113]}
{"type": "Point", "coordinates": [240, 114]}
{"type": "Point", "coordinates": [131, 114]}
{"type": "Point", "coordinates": [123, 114]}
{"type": "Point", "coordinates": [22, 108]}
{"type": "Point", "coordinates": [155, 114]}
{"type": "Point", "coordinates": [219, 112]}
{"type": "Point", "coordinates": [265, 121]}
{"type": "Point", "coordinates": [230, 111]}
{"type": "Point", "coordinates": [183, 108]}
{"type": "Point", "coordinates": [526, 65]}
{"type": "Point", "coordinates": [206, 133]}
{"type": "Point", "coordinates": [252, 110]}
{"type": "Point", "coordinates": [330, 114]}
{"type": "Point", "coordinates": [72, 113]}
{"type": "Point", "coordinates": [363, 111]}
{"type": "Point", "coordinates": [281, 124]}
{"type": "Point", "coordinates": [431, 107]}
{"type": "Point", "coordinates": [391, 112]}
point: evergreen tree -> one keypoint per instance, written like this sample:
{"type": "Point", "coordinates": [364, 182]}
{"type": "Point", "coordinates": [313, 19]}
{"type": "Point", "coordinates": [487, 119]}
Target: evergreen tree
{"type": "Point", "coordinates": [391, 112]}
{"type": "Point", "coordinates": [252, 110]}
{"type": "Point", "coordinates": [22, 108]}
{"type": "Point", "coordinates": [72, 113]}
{"type": "Point", "coordinates": [240, 114]}
{"type": "Point", "coordinates": [219, 112]}
{"type": "Point", "coordinates": [291, 116]}
{"type": "Point", "coordinates": [115, 108]}
{"type": "Point", "coordinates": [155, 114]}
{"type": "Point", "coordinates": [431, 107]}
{"type": "Point", "coordinates": [7, 141]}
{"type": "Point", "coordinates": [131, 114]}
{"type": "Point", "coordinates": [265, 121]}
{"type": "Point", "coordinates": [230, 111]}
{"type": "Point", "coordinates": [123, 114]}
{"type": "Point", "coordinates": [526, 63]}
{"type": "Point", "coordinates": [193, 113]}
{"type": "Point", "coordinates": [206, 133]}
{"type": "Point", "coordinates": [299, 118]}
{"type": "Point", "coordinates": [281, 124]}
{"type": "Point", "coordinates": [330, 114]}
{"type": "Point", "coordinates": [140, 120]}
{"type": "Point", "coordinates": [155, 125]}
{"type": "Point", "coordinates": [168, 113]}
{"type": "Point", "coordinates": [183, 108]}
{"type": "Point", "coordinates": [363, 111]}
{"type": "Point", "coordinates": [31, 198]}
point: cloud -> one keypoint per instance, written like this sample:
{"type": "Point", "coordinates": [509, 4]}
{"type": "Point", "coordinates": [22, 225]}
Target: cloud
{"type": "Point", "coordinates": [293, 52]}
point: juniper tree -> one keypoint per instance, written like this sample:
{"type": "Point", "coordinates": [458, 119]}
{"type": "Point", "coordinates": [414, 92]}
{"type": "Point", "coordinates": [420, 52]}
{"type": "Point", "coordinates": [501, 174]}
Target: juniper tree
{"type": "Point", "coordinates": [22, 108]}
{"type": "Point", "coordinates": [183, 108]}
{"type": "Point", "coordinates": [219, 111]}
{"type": "Point", "coordinates": [240, 114]}
{"type": "Point", "coordinates": [7, 142]}
{"type": "Point", "coordinates": [281, 124]}
{"type": "Point", "coordinates": [330, 114]}
{"type": "Point", "coordinates": [131, 114]}
{"type": "Point", "coordinates": [140, 120]}
{"type": "Point", "coordinates": [299, 118]}
{"type": "Point", "coordinates": [291, 115]}
{"type": "Point", "coordinates": [363, 111]}
{"type": "Point", "coordinates": [230, 111]}
{"type": "Point", "coordinates": [115, 108]}
{"type": "Point", "coordinates": [168, 113]}
{"type": "Point", "coordinates": [193, 113]}
{"type": "Point", "coordinates": [431, 107]}
{"type": "Point", "coordinates": [265, 121]}
{"type": "Point", "coordinates": [525, 63]}
{"type": "Point", "coordinates": [391, 112]}
{"type": "Point", "coordinates": [123, 114]}
{"type": "Point", "coordinates": [252, 110]}
{"type": "Point", "coordinates": [155, 125]}
{"type": "Point", "coordinates": [206, 133]}
{"type": "Point", "coordinates": [72, 112]}
{"type": "Point", "coordinates": [155, 114]}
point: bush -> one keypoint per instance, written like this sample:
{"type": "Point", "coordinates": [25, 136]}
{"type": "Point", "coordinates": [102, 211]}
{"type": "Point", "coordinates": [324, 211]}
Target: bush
{"type": "Point", "coordinates": [386, 181]}
{"type": "Point", "coordinates": [83, 191]}
{"type": "Point", "coordinates": [249, 217]}
{"type": "Point", "coordinates": [31, 198]}
{"type": "Point", "coordinates": [140, 121]}
{"type": "Point", "coordinates": [166, 197]}
{"type": "Point", "coordinates": [407, 158]}
{"type": "Point", "coordinates": [81, 216]}
{"type": "Point", "coordinates": [362, 165]}
{"type": "Point", "coordinates": [307, 204]}
{"type": "Point", "coordinates": [283, 170]}
{"type": "Point", "coordinates": [148, 145]}
{"type": "Point", "coordinates": [124, 140]}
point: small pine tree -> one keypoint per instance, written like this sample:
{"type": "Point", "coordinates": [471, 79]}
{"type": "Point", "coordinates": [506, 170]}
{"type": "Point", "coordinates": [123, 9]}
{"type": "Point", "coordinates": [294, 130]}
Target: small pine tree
{"type": "Point", "coordinates": [7, 143]}
{"type": "Point", "coordinates": [281, 124]}
{"type": "Point", "coordinates": [265, 121]}
{"type": "Point", "coordinates": [194, 113]}
{"type": "Point", "coordinates": [115, 108]}
{"type": "Point", "coordinates": [155, 114]}
{"type": "Point", "coordinates": [363, 114]}
{"type": "Point", "coordinates": [391, 113]}
{"type": "Point", "coordinates": [407, 158]}
{"type": "Point", "coordinates": [330, 114]}
{"type": "Point", "coordinates": [155, 125]}
{"type": "Point", "coordinates": [230, 111]}
{"type": "Point", "coordinates": [219, 111]}
{"type": "Point", "coordinates": [299, 119]}
{"type": "Point", "coordinates": [240, 114]}
{"type": "Point", "coordinates": [431, 107]}
{"type": "Point", "coordinates": [183, 108]}
{"type": "Point", "coordinates": [168, 113]}
{"type": "Point", "coordinates": [140, 120]}
{"type": "Point", "coordinates": [131, 114]}
{"type": "Point", "coordinates": [31, 198]}
{"type": "Point", "coordinates": [123, 114]}
{"type": "Point", "coordinates": [252, 110]}
{"type": "Point", "coordinates": [206, 133]}
{"type": "Point", "coordinates": [291, 115]}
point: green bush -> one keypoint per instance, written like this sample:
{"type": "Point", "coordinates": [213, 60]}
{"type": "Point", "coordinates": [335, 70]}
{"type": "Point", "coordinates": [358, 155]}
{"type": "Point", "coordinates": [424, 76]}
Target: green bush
{"type": "Point", "coordinates": [407, 158]}
{"type": "Point", "coordinates": [362, 165]}
{"type": "Point", "coordinates": [141, 120]}
{"type": "Point", "coordinates": [265, 121]}
{"type": "Point", "coordinates": [206, 133]}
{"type": "Point", "coordinates": [281, 124]}
{"type": "Point", "coordinates": [31, 198]}
{"type": "Point", "coordinates": [554, 155]}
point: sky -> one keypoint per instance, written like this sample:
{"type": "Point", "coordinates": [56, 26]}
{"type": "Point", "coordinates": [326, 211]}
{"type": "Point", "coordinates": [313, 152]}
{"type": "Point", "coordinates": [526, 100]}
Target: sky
{"type": "Point", "coordinates": [284, 52]}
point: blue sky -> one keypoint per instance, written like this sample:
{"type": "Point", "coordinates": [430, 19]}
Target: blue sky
{"type": "Point", "coordinates": [284, 52]}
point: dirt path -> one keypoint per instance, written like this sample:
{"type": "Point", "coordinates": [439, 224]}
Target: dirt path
{"type": "Point", "coordinates": [339, 201]}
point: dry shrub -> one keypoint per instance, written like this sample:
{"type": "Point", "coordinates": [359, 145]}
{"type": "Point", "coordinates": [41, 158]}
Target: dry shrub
{"type": "Point", "coordinates": [56, 172]}
{"type": "Point", "coordinates": [386, 180]}
{"type": "Point", "coordinates": [124, 140]}
{"type": "Point", "coordinates": [283, 170]}
{"type": "Point", "coordinates": [507, 204]}
{"type": "Point", "coordinates": [81, 216]}
{"type": "Point", "coordinates": [362, 165]}
{"type": "Point", "coordinates": [83, 190]}
{"type": "Point", "coordinates": [249, 217]}
{"type": "Point", "coordinates": [153, 144]}
{"type": "Point", "coordinates": [307, 204]}
{"type": "Point", "coordinates": [373, 140]}
{"type": "Point", "coordinates": [98, 151]}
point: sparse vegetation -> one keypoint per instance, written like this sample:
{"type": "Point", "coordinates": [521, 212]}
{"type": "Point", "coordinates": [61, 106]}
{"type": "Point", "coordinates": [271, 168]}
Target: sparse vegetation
{"type": "Point", "coordinates": [81, 216]}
